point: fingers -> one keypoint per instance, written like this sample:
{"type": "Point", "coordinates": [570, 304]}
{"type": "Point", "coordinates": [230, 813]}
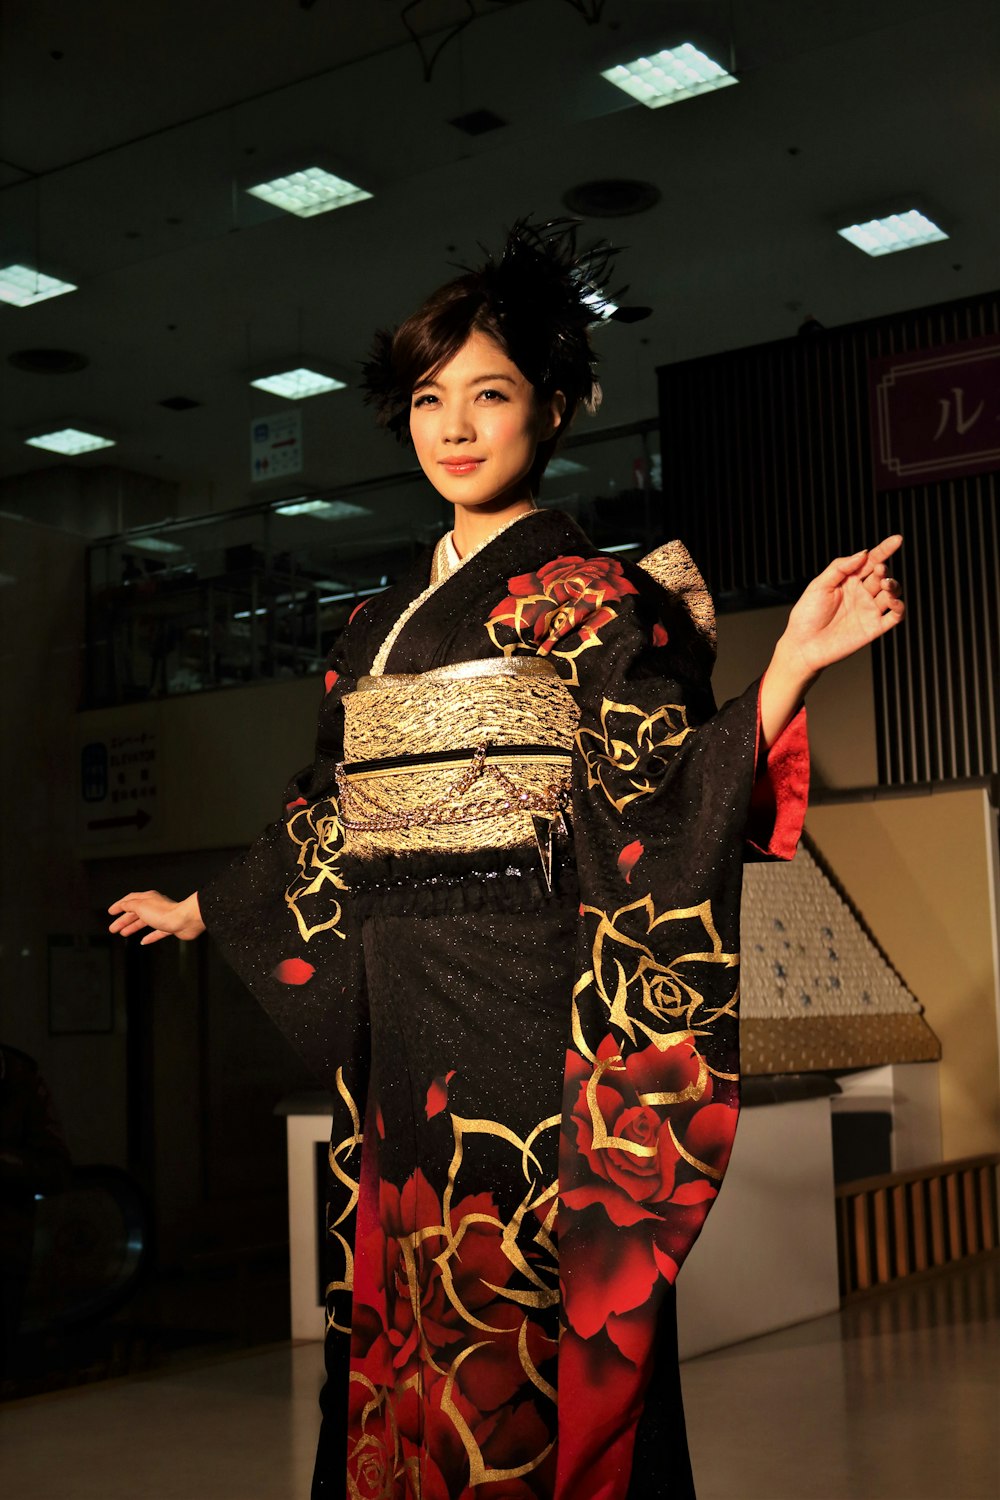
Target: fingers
{"type": "Point", "coordinates": [129, 909]}
{"type": "Point", "coordinates": [125, 926]}
{"type": "Point", "coordinates": [878, 555]}
{"type": "Point", "coordinates": [885, 548]}
{"type": "Point", "coordinates": [153, 937]}
{"type": "Point", "coordinates": [125, 903]}
{"type": "Point", "coordinates": [842, 567]}
{"type": "Point", "coordinates": [893, 615]}
{"type": "Point", "coordinates": [877, 583]}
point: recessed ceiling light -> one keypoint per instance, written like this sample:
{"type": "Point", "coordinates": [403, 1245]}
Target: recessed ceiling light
{"type": "Point", "coordinates": [22, 286]}
{"type": "Point", "coordinates": [611, 197]}
{"type": "Point", "coordinates": [69, 440]}
{"type": "Point", "coordinates": [671, 75]}
{"type": "Point", "coordinates": [308, 192]}
{"type": "Point", "coordinates": [321, 510]}
{"type": "Point", "coordinates": [296, 385]}
{"type": "Point", "coordinates": [896, 232]}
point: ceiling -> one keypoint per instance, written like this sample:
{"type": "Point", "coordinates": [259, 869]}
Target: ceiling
{"type": "Point", "coordinates": [128, 133]}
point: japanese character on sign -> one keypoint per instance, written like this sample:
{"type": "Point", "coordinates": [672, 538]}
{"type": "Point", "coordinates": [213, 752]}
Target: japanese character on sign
{"type": "Point", "coordinates": [962, 422]}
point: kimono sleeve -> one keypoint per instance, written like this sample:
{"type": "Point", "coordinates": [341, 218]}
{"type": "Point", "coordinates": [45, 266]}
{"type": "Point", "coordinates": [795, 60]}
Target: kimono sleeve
{"type": "Point", "coordinates": [278, 912]}
{"type": "Point", "coordinates": [280, 918]}
{"type": "Point", "coordinates": [662, 803]}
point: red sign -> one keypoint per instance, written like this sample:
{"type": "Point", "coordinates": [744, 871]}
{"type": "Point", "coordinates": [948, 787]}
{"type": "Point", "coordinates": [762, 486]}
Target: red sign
{"type": "Point", "coordinates": [936, 413]}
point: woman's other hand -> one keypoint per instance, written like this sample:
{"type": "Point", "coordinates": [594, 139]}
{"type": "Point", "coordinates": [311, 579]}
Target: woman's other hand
{"type": "Point", "coordinates": [164, 918]}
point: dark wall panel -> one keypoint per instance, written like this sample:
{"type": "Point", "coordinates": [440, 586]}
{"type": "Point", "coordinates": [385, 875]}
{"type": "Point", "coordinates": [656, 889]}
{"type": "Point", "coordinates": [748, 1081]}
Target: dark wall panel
{"type": "Point", "coordinates": [767, 474]}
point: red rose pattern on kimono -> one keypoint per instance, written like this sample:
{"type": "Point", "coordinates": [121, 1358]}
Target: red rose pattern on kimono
{"type": "Point", "coordinates": [516, 1240]}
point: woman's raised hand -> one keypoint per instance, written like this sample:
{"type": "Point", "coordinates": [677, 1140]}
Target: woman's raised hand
{"type": "Point", "coordinates": [164, 918]}
{"type": "Point", "coordinates": [848, 606]}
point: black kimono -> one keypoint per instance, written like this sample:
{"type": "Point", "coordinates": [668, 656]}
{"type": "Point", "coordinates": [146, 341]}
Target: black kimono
{"type": "Point", "coordinates": [500, 917]}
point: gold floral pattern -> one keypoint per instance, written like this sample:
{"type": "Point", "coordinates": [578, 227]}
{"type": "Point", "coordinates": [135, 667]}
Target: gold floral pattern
{"type": "Point", "coordinates": [339, 1156]}
{"type": "Point", "coordinates": [624, 755]}
{"type": "Point", "coordinates": [641, 991]}
{"type": "Point", "coordinates": [560, 610]}
{"type": "Point", "coordinates": [318, 834]}
{"type": "Point", "coordinates": [450, 1325]}
{"type": "Point", "coordinates": [648, 1125]}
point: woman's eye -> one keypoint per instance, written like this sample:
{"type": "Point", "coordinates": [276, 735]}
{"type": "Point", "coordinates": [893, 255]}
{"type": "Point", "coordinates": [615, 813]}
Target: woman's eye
{"type": "Point", "coordinates": [422, 400]}
{"type": "Point", "coordinates": [493, 395]}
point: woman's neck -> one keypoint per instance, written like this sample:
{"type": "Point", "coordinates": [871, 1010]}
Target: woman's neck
{"type": "Point", "coordinates": [476, 524]}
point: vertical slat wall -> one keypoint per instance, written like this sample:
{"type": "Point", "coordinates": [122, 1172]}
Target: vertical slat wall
{"type": "Point", "coordinates": [767, 474]}
{"type": "Point", "coordinates": [907, 1223]}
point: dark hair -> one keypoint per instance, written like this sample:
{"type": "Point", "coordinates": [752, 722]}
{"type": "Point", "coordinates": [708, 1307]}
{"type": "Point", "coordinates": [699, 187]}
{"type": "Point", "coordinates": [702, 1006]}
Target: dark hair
{"type": "Point", "coordinates": [537, 301]}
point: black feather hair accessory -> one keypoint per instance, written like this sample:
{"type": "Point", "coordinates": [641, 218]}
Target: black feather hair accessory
{"type": "Point", "coordinates": [539, 298]}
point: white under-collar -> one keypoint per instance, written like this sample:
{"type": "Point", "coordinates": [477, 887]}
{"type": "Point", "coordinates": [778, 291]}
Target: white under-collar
{"type": "Point", "coordinates": [452, 558]}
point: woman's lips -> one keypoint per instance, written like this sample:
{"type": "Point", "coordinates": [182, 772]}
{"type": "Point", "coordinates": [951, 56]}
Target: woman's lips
{"type": "Point", "coordinates": [461, 465]}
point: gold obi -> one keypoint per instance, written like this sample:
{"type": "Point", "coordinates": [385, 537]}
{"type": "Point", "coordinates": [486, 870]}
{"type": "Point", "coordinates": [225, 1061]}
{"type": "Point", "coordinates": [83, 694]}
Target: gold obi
{"type": "Point", "coordinates": [455, 760]}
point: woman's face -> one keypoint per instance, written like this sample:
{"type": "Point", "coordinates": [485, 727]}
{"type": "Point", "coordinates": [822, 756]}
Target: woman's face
{"type": "Point", "coordinates": [477, 424]}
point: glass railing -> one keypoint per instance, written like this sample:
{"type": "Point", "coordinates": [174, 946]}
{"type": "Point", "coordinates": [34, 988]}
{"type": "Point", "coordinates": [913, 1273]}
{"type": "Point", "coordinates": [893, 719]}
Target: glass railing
{"type": "Point", "coordinates": [263, 591]}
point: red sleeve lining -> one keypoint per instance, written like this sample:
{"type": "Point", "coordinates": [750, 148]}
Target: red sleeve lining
{"type": "Point", "coordinates": [780, 793]}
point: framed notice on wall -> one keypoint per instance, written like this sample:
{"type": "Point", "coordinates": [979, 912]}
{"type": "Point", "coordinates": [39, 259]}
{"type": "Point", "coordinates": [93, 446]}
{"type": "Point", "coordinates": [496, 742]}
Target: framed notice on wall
{"type": "Point", "coordinates": [935, 413]}
{"type": "Point", "coordinates": [81, 985]}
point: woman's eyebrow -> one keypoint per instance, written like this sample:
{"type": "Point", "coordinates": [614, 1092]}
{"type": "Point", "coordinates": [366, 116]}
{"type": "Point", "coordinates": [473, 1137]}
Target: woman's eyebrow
{"type": "Point", "coordinates": [476, 380]}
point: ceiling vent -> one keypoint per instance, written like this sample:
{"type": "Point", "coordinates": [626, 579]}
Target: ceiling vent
{"type": "Point", "coordinates": [48, 361]}
{"type": "Point", "coordinates": [611, 198]}
{"type": "Point", "coordinates": [478, 122]}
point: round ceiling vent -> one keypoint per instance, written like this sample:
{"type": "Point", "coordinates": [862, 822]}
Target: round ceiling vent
{"type": "Point", "coordinates": [48, 361]}
{"type": "Point", "coordinates": [611, 198]}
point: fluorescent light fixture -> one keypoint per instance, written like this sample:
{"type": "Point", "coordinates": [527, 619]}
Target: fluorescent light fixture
{"type": "Point", "coordinates": [896, 232]}
{"type": "Point", "coordinates": [558, 468]}
{"type": "Point", "coordinates": [296, 385]}
{"type": "Point", "coordinates": [152, 544]}
{"type": "Point", "coordinates": [69, 441]}
{"type": "Point", "coordinates": [244, 614]}
{"type": "Point", "coordinates": [671, 75]}
{"type": "Point", "coordinates": [352, 594]}
{"type": "Point", "coordinates": [321, 510]}
{"type": "Point", "coordinates": [308, 192]}
{"type": "Point", "coordinates": [22, 286]}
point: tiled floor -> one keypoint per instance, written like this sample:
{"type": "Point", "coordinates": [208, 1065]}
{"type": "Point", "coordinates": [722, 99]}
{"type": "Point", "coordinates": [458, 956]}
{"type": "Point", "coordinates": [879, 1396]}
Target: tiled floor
{"type": "Point", "coordinates": [896, 1399]}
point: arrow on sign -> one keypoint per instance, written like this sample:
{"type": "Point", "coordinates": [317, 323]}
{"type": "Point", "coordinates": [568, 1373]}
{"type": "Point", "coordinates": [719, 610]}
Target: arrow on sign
{"type": "Point", "coordinates": [136, 820]}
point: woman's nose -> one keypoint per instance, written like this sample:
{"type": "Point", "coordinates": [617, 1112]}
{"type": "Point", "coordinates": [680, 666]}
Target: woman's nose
{"type": "Point", "coordinates": [458, 427]}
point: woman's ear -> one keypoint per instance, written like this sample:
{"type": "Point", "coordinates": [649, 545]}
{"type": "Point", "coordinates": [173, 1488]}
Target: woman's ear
{"type": "Point", "coordinates": [555, 410]}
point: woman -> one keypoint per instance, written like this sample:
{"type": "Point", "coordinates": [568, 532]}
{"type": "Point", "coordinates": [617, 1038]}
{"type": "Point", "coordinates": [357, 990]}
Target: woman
{"type": "Point", "coordinates": [500, 916]}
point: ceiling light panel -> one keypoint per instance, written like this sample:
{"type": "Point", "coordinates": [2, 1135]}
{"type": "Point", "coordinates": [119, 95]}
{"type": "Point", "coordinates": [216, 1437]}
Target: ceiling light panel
{"type": "Point", "coordinates": [296, 385]}
{"type": "Point", "coordinates": [321, 510]}
{"type": "Point", "coordinates": [895, 232]}
{"type": "Point", "coordinates": [21, 286]}
{"type": "Point", "coordinates": [69, 441]}
{"type": "Point", "coordinates": [152, 544]}
{"type": "Point", "coordinates": [671, 75]}
{"type": "Point", "coordinates": [561, 468]}
{"type": "Point", "coordinates": [308, 192]}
